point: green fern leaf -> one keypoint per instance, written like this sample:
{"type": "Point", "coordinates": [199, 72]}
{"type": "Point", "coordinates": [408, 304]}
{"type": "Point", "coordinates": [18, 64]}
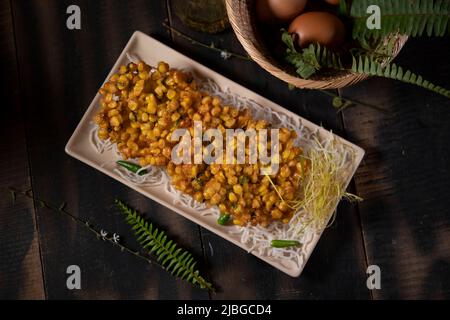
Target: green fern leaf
{"type": "Point", "coordinates": [368, 63]}
{"type": "Point", "coordinates": [370, 67]}
{"type": "Point", "coordinates": [173, 259]}
{"type": "Point", "coordinates": [409, 17]}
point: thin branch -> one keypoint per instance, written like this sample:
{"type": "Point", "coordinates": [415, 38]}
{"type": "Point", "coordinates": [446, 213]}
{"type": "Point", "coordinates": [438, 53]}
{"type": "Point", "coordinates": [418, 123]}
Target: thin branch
{"type": "Point", "coordinates": [61, 209]}
{"type": "Point", "coordinates": [341, 103]}
{"type": "Point", "coordinates": [344, 102]}
{"type": "Point", "coordinates": [223, 52]}
{"type": "Point", "coordinates": [103, 235]}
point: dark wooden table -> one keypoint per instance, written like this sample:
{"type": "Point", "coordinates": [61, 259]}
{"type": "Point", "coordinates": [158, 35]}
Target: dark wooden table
{"type": "Point", "coordinates": [51, 74]}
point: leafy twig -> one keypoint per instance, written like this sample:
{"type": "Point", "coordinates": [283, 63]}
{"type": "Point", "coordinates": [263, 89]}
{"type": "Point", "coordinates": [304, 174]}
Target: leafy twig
{"type": "Point", "coordinates": [61, 209]}
{"type": "Point", "coordinates": [173, 259]}
{"type": "Point", "coordinates": [306, 64]}
{"type": "Point", "coordinates": [337, 100]}
{"type": "Point", "coordinates": [365, 62]}
{"type": "Point", "coordinates": [101, 234]}
{"type": "Point", "coordinates": [225, 54]}
{"type": "Point", "coordinates": [340, 103]}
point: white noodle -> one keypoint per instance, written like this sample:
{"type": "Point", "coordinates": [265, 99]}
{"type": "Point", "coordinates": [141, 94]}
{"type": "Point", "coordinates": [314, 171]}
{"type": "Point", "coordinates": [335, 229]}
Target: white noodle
{"type": "Point", "coordinates": [255, 237]}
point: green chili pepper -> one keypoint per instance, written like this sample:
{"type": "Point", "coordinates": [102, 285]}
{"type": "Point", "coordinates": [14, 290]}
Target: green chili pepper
{"type": "Point", "coordinates": [223, 219]}
{"type": "Point", "coordinates": [133, 167]}
{"type": "Point", "coordinates": [284, 243]}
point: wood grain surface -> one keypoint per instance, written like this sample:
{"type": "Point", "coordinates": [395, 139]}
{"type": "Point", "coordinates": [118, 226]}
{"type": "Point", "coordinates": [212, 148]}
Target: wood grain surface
{"type": "Point", "coordinates": [258, 280]}
{"type": "Point", "coordinates": [404, 177]}
{"type": "Point", "coordinates": [21, 273]}
{"type": "Point", "coordinates": [403, 225]}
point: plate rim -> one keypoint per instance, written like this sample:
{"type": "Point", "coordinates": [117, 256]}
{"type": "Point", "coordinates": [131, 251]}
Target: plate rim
{"type": "Point", "coordinates": [70, 150]}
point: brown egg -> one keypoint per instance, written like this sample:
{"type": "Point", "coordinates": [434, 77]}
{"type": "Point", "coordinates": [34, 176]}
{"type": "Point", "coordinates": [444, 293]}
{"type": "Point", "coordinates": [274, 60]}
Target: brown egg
{"type": "Point", "coordinates": [320, 27]}
{"type": "Point", "coordinates": [279, 10]}
{"type": "Point", "coordinates": [333, 2]}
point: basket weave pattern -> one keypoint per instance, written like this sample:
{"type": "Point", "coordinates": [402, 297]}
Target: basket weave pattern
{"type": "Point", "coordinates": [244, 24]}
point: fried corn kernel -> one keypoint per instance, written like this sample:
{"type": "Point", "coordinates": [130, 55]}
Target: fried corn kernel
{"type": "Point", "coordinates": [171, 94]}
{"type": "Point", "coordinates": [141, 107]}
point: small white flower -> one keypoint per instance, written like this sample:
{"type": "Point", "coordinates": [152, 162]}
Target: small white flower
{"type": "Point", "coordinates": [104, 234]}
{"type": "Point", "coordinates": [116, 238]}
{"type": "Point", "coordinates": [225, 54]}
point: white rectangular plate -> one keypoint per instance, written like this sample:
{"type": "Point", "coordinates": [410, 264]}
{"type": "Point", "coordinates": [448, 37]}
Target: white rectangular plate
{"type": "Point", "coordinates": [151, 51]}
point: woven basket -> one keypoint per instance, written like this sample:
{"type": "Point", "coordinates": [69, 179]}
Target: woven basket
{"type": "Point", "coordinates": [243, 21]}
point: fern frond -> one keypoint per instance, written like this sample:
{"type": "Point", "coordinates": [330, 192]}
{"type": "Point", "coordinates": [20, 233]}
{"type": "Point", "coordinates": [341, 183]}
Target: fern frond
{"type": "Point", "coordinates": [325, 57]}
{"type": "Point", "coordinates": [364, 64]}
{"type": "Point", "coordinates": [173, 259]}
{"type": "Point", "coordinates": [370, 63]}
{"type": "Point", "coordinates": [409, 17]}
